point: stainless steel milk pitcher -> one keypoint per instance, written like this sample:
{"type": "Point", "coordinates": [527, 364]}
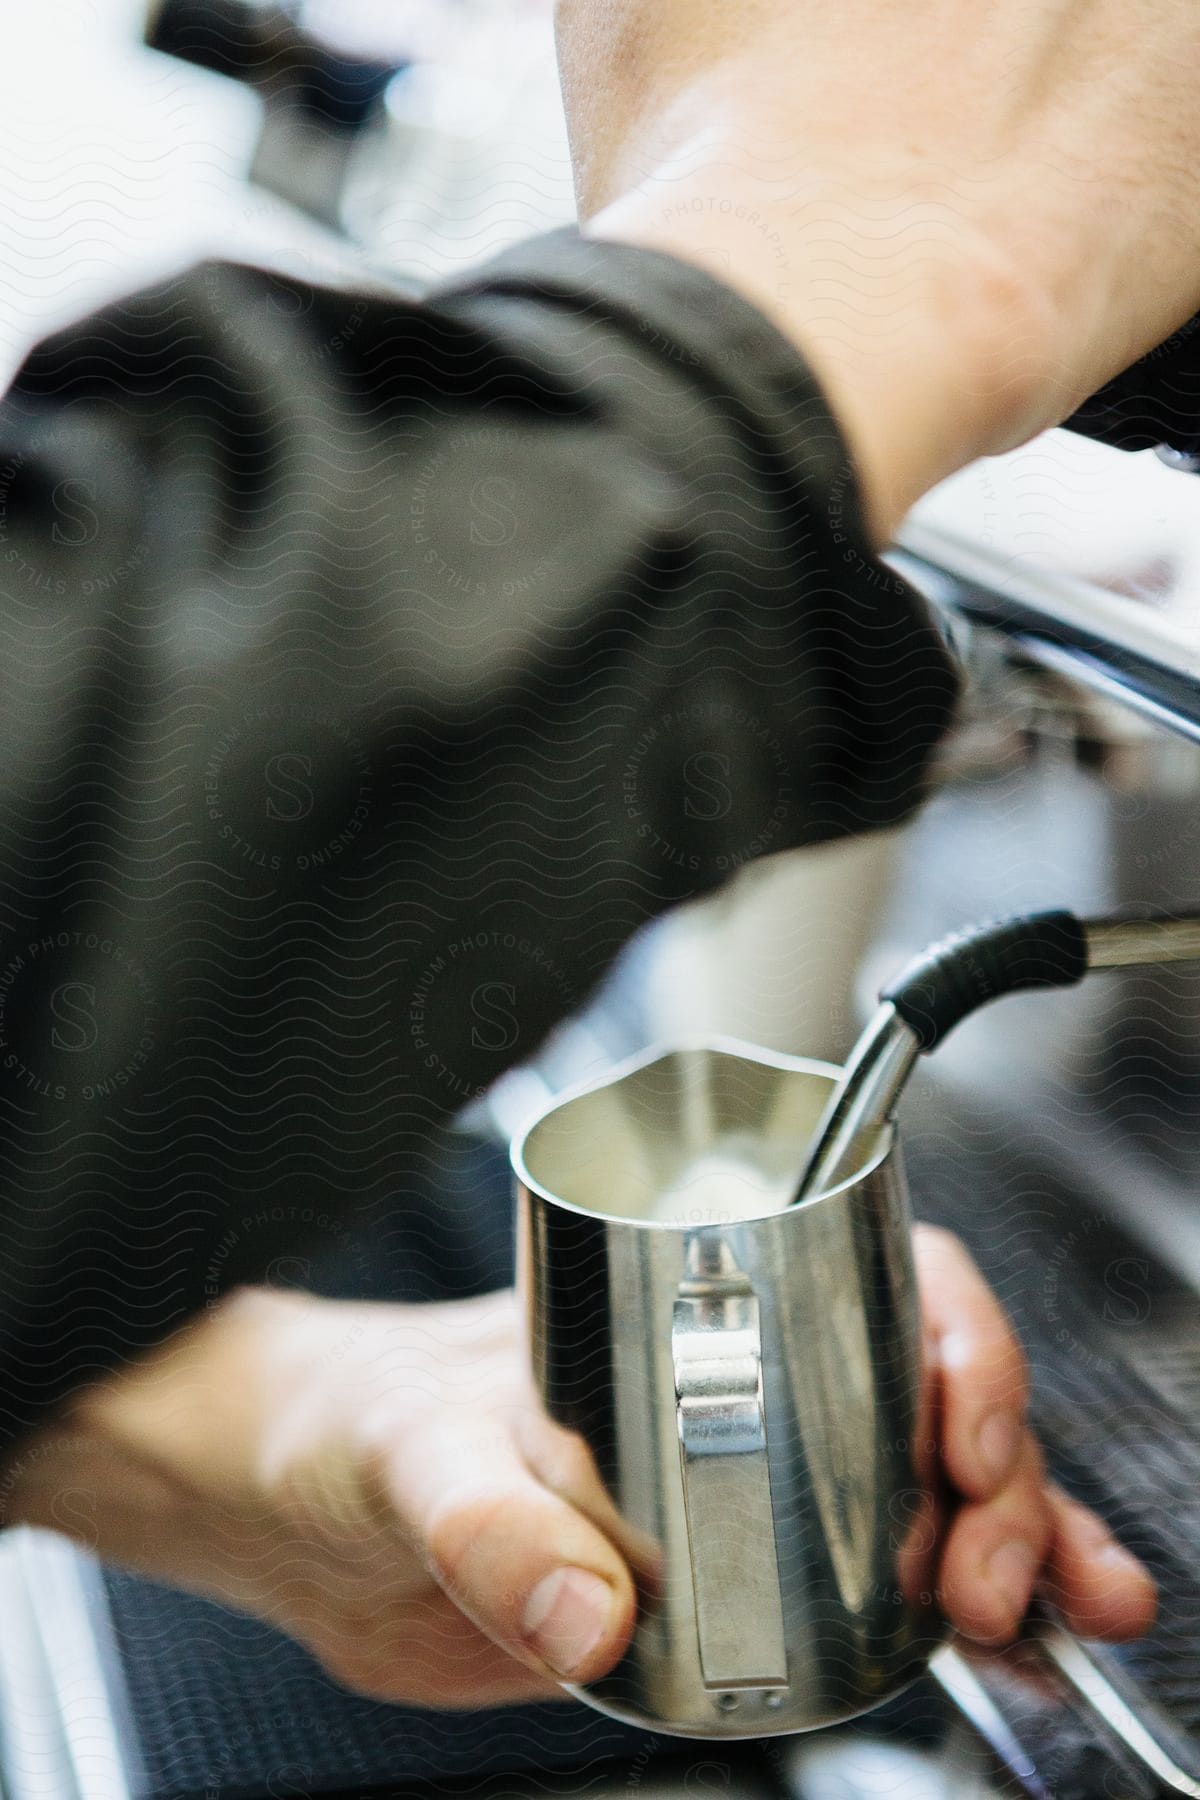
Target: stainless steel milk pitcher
{"type": "Point", "coordinates": [740, 1348]}
{"type": "Point", "coordinates": [746, 1375]}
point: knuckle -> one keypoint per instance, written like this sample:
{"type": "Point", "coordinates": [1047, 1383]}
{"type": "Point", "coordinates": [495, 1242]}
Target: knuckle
{"type": "Point", "coordinates": [1034, 1467]}
{"type": "Point", "coordinates": [1012, 1369]}
{"type": "Point", "coordinates": [374, 1432]}
{"type": "Point", "coordinates": [461, 1524]}
{"type": "Point", "coordinates": [569, 1464]}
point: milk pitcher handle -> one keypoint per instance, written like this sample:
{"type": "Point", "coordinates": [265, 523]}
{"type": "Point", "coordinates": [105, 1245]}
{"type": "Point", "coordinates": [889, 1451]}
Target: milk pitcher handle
{"type": "Point", "coordinates": [717, 1351]}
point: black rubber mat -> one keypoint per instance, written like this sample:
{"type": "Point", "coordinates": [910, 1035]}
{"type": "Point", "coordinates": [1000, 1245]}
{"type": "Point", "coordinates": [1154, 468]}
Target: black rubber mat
{"type": "Point", "coordinates": [226, 1709]}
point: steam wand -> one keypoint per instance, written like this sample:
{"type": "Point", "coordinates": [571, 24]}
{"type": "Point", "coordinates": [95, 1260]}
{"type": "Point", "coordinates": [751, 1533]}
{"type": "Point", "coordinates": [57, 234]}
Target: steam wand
{"type": "Point", "coordinates": [953, 979]}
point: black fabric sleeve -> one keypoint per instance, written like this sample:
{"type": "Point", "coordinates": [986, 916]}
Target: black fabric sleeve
{"type": "Point", "coordinates": [371, 670]}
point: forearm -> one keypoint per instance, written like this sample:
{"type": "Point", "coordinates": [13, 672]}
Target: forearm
{"type": "Point", "coordinates": [963, 255]}
{"type": "Point", "coordinates": [929, 357]}
{"type": "Point", "coordinates": [768, 163]}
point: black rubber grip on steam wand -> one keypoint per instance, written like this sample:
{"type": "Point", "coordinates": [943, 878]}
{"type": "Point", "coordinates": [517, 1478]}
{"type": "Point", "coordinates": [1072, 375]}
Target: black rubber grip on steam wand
{"type": "Point", "coordinates": [985, 962]}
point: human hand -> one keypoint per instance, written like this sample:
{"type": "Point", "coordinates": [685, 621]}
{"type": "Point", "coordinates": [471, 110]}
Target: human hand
{"type": "Point", "coordinates": [379, 1482]}
{"type": "Point", "coordinates": [1009, 1532]}
{"type": "Point", "coordinates": [968, 214]}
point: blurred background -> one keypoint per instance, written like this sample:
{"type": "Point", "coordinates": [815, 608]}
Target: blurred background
{"type": "Point", "coordinates": [403, 141]}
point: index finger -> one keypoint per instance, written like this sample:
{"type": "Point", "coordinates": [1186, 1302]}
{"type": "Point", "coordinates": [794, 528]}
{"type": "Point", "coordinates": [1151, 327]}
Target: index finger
{"type": "Point", "coordinates": [978, 1362]}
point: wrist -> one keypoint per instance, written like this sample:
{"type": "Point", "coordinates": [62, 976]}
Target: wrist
{"type": "Point", "coordinates": [200, 1406]}
{"type": "Point", "coordinates": [160, 1465]}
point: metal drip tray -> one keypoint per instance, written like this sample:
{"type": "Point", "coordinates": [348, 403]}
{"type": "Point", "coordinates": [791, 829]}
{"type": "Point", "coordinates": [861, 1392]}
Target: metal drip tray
{"type": "Point", "coordinates": [1114, 1351]}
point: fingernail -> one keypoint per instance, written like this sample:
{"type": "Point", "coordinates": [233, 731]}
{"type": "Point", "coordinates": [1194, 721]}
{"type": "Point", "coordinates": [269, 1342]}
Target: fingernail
{"type": "Point", "coordinates": [566, 1616]}
{"type": "Point", "coordinates": [997, 1442]}
{"type": "Point", "coordinates": [1011, 1570]}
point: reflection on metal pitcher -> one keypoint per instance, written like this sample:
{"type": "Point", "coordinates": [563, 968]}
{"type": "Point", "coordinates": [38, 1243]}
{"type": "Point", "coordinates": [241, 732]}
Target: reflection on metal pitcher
{"type": "Point", "coordinates": [746, 1375]}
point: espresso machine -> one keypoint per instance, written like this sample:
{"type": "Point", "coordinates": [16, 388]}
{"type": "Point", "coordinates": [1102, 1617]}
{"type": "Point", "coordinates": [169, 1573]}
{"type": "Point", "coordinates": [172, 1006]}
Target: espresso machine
{"type": "Point", "coordinates": [1057, 1133]}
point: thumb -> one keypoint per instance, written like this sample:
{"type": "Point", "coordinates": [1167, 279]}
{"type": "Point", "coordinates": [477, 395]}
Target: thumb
{"type": "Point", "coordinates": [531, 1571]}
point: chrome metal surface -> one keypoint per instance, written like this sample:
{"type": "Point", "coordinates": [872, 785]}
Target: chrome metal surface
{"type": "Point", "coordinates": [873, 1079]}
{"type": "Point", "coordinates": [1075, 627]}
{"type": "Point", "coordinates": [65, 1727]}
{"type": "Point", "coordinates": [717, 1352]}
{"type": "Point", "coordinates": [870, 1085]}
{"type": "Point", "coordinates": [1072, 1661]}
{"type": "Point", "coordinates": [959, 1682]}
{"type": "Point", "coordinates": [1186, 461]}
{"type": "Point", "coordinates": [1134, 943]}
{"type": "Point", "coordinates": [994, 584]}
{"type": "Point", "coordinates": [745, 1374]}
{"type": "Point", "coordinates": [1130, 688]}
